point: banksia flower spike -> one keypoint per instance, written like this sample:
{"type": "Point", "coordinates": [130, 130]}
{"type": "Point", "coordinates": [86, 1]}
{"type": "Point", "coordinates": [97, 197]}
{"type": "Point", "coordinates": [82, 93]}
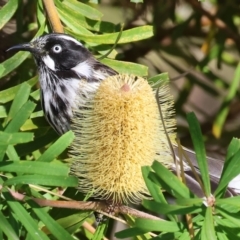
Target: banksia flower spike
{"type": "Point", "coordinates": [118, 130]}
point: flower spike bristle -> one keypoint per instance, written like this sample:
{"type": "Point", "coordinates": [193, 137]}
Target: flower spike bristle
{"type": "Point", "coordinates": [118, 130]}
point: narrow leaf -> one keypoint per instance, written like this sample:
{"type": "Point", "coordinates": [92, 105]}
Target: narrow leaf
{"type": "Point", "coordinates": [7, 11]}
{"type": "Point", "coordinates": [126, 67]}
{"type": "Point", "coordinates": [24, 217]}
{"type": "Point", "coordinates": [177, 188]}
{"type": "Point", "coordinates": [59, 181]}
{"type": "Point", "coordinates": [132, 35]}
{"type": "Point", "coordinates": [15, 138]}
{"type": "Point", "coordinates": [56, 230]}
{"type": "Point", "coordinates": [33, 167]}
{"type": "Point", "coordinates": [9, 94]}
{"type": "Point", "coordinates": [196, 135]}
{"type": "Point", "coordinates": [157, 225]}
{"type": "Point", "coordinates": [20, 117]}
{"type": "Point", "coordinates": [83, 9]}
{"type": "Point", "coordinates": [208, 231]}
{"type": "Point", "coordinates": [57, 148]}
{"type": "Point", "coordinates": [7, 229]}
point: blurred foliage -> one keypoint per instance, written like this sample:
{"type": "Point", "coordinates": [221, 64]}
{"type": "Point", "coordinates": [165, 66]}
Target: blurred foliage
{"type": "Point", "coordinates": [198, 37]}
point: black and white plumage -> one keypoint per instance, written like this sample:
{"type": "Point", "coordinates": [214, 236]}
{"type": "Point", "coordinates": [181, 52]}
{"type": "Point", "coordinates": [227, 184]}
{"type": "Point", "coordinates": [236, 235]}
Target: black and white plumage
{"type": "Point", "coordinates": [66, 70]}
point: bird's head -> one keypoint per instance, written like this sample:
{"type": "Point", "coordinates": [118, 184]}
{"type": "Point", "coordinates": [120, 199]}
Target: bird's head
{"type": "Point", "coordinates": [55, 51]}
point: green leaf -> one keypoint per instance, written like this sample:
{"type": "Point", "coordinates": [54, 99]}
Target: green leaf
{"type": "Point", "coordinates": [197, 139]}
{"type": "Point", "coordinates": [53, 226]}
{"type": "Point", "coordinates": [7, 11]}
{"type": "Point", "coordinates": [224, 109]}
{"type": "Point", "coordinates": [23, 216]}
{"type": "Point", "coordinates": [20, 117]}
{"type": "Point", "coordinates": [59, 181]}
{"type": "Point", "coordinates": [130, 232]}
{"type": "Point", "coordinates": [3, 112]}
{"type": "Point", "coordinates": [126, 67]}
{"type": "Point", "coordinates": [208, 231]}
{"type": "Point", "coordinates": [33, 167]}
{"type": "Point", "coordinates": [14, 138]}
{"type": "Point", "coordinates": [20, 98]}
{"type": "Point", "coordinates": [7, 229]}
{"type": "Point", "coordinates": [157, 225]}
{"type": "Point", "coordinates": [83, 9]}
{"type": "Point", "coordinates": [230, 170]}
{"type": "Point", "coordinates": [57, 148]}
{"type": "Point", "coordinates": [171, 182]}
{"type": "Point", "coordinates": [101, 228]}
{"type": "Point", "coordinates": [10, 64]}
{"type": "Point", "coordinates": [162, 208]}
{"type": "Point", "coordinates": [9, 94]}
{"type": "Point", "coordinates": [39, 142]}
{"type": "Point", "coordinates": [235, 201]}
{"type": "Point", "coordinates": [233, 218]}
{"type": "Point", "coordinates": [153, 188]}
{"type": "Point", "coordinates": [131, 35]}
{"type": "Point", "coordinates": [68, 19]}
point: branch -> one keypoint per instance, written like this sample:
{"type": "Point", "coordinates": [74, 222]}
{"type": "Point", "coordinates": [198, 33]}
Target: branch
{"type": "Point", "coordinates": [97, 206]}
{"type": "Point", "coordinates": [53, 16]}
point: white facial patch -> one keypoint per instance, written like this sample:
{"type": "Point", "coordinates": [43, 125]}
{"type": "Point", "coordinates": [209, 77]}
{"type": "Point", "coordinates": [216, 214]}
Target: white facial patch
{"type": "Point", "coordinates": [49, 62]}
{"type": "Point", "coordinates": [83, 69]}
{"type": "Point", "coordinates": [70, 39]}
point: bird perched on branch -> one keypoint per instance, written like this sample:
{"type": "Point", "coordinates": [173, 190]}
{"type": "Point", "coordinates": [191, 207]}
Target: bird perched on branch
{"type": "Point", "coordinates": [66, 70]}
{"type": "Point", "coordinates": [62, 63]}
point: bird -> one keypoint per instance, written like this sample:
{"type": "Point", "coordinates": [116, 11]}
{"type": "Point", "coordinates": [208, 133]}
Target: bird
{"type": "Point", "coordinates": [67, 70]}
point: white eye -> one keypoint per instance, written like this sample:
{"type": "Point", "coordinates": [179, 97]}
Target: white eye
{"type": "Point", "coordinates": [57, 48]}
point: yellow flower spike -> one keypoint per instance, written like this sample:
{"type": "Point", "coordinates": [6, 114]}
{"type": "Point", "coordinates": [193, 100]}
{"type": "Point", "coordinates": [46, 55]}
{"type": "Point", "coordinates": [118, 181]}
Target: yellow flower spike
{"type": "Point", "coordinates": [118, 130]}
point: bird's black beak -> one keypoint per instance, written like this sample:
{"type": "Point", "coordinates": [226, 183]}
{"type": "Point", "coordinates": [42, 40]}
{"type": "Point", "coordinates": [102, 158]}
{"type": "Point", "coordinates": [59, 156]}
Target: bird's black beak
{"type": "Point", "coordinates": [23, 47]}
